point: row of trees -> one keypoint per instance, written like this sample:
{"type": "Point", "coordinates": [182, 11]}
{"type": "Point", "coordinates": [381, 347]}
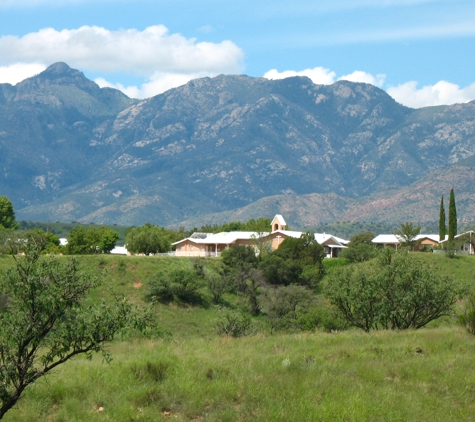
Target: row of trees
{"type": "Point", "coordinates": [147, 239]}
{"type": "Point", "coordinates": [452, 230]}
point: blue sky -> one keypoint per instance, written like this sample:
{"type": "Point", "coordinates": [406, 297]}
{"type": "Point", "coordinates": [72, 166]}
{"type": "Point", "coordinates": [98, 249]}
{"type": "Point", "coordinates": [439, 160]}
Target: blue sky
{"type": "Point", "coordinates": [420, 51]}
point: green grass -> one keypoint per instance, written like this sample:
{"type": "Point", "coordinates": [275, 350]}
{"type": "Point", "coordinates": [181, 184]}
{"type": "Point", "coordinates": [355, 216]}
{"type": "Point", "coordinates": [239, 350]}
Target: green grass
{"type": "Point", "coordinates": [190, 374]}
{"type": "Point", "coordinates": [424, 375]}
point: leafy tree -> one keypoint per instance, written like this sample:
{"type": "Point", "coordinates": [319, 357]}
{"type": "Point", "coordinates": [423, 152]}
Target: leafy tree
{"type": "Point", "coordinates": [7, 214]}
{"type": "Point", "coordinates": [101, 239]}
{"type": "Point", "coordinates": [181, 285]}
{"type": "Point", "coordinates": [360, 248]}
{"type": "Point", "coordinates": [15, 242]}
{"type": "Point", "coordinates": [442, 226]}
{"type": "Point", "coordinates": [284, 304]}
{"type": "Point", "coordinates": [398, 292]}
{"type": "Point", "coordinates": [360, 252]}
{"type": "Point", "coordinates": [77, 242]}
{"type": "Point", "coordinates": [47, 322]}
{"type": "Point", "coordinates": [240, 265]}
{"type": "Point", "coordinates": [452, 216]}
{"type": "Point", "coordinates": [296, 261]}
{"type": "Point", "coordinates": [148, 239]}
{"type": "Point", "coordinates": [239, 257]}
{"type": "Point", "coordinates": [280, 271]}
{"type": "Point", "coordinates": [365, 238]}
{"type": "Point", "coordinates": [217, 284]}
{"type": "Point", "coordinates": [304, 249]}
{"type": "Point", "coordinates": [249, 283]}
{"type": "Point", "coordinates": [93, 241]}
{"type": "Point", "coordinates": [408, 232]}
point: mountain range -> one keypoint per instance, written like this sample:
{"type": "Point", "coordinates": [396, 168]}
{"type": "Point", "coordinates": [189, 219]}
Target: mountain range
{"type": "Point", "coordinates": [232, 147]}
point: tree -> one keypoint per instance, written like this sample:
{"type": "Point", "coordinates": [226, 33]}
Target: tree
{"type": "Point", "coordinates": [7, 214]}
{"type": "Point", "coordinates": [442, 226]}
{"type": "Point", "coordinates": [93, 241]}
{"type": "Point", "coordinates": [362, 238]}
{"type": "Point", "coordinates": [47, 321]}
{"type": "Point", "coordinates": [147, 239]}
{"type": "Point", "coordinates": [359, 253]}
{"type": "Point", "coordinates": [15, 242]}
{"type": "Point", "coordinates": [284, 304]}
{"type": "Point", "coordinates": [101, 239]}
{"type": "Point", "coordinates": [452, 216]}
{"type": "Point", "coordinates": [297, 261]}
{"type": "Point", "coordinates": [398, 292]}
{"type": "Point", "coordinates": [360, 248]}
{"type": "Point", "coordinates": [408, 234]}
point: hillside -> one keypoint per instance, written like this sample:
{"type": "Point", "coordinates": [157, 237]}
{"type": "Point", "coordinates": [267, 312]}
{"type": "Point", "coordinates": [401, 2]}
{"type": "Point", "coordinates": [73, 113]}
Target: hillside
{"type": "Point", "coordinates": [183, 371]}
{"type": "Point", "coordinates": [73, 151]}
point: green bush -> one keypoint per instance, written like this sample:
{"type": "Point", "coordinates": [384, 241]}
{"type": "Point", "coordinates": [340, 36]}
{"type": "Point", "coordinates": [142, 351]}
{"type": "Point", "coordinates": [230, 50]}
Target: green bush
{"type": "Point", "coordinates": [467, 317]}
{"type": "Point", "coordinates": [283, 305]}
{"type": "Point", "coordinates": [322, 317]}
{"type": "Point", "coordinates": [234, 324]}
{"type": "Point", "coordinates": [397, 292]}
{"type": "Point", "coordinates": [181, 285]}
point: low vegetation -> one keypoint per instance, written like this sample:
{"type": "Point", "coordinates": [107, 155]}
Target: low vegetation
{"type": "Point", "coordinates": [282, 335]}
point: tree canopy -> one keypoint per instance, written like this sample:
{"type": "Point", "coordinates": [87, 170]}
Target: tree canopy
{"type": "Point", "coordinates": [46, 320]}
{"type": "Point", "coordinates": [91, 241]}
{"type": "Point", "coordinates": [398, 292]}
{"type": "Point", "coordinates": [148, 239]}
{"type": "Point", "coordinates": [408, 233]}
{"type": "Point", "coordinates": [7, 214]}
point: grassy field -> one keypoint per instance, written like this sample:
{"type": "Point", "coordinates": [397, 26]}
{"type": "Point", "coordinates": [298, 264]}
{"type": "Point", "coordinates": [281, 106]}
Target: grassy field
{"type": "Point", "coordinates": [191, 374]}
{"type": "Point", "coordinates": [425, 375]}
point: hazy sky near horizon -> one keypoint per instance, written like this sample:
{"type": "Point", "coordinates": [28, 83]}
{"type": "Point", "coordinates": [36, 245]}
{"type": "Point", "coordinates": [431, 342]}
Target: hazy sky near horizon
{"type": "Point", "coordinates": [420, 51]}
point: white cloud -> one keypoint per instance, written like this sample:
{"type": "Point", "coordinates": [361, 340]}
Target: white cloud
{"type": "Point", "coordinates": [159, 82]}
{"type": "Point", "coordinates": [368, 78]}
{"type": "Point", "coordinates": [323, 76]}
{"type": "Point", "coordinates": [441, 93]}
{"type": "Point", "coordinates": [166, 60]}
{"type": "Point", "coordinates": [129, 50]}
{"type": "Point", "coordinates": [318, 75]}
{"type": "Point", "coordinates": [17, 72]}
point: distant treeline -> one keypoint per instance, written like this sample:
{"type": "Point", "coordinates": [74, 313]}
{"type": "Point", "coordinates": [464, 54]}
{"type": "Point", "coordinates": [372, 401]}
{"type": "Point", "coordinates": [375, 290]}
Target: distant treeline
{"type": "Point", "coordinates": [344, 229]}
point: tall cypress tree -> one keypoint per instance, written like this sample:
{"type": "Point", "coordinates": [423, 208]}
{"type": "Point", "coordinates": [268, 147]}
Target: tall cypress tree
{"type": "Point", "coordinates": [442, 227]}
{"type": "Point", "coordinates": [452, 216]}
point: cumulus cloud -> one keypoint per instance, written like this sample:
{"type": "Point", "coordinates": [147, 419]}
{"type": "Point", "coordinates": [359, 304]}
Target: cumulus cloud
{"type": "Point", "coordinates": [323, 76]}
{"type": "Point", "coordinates": [368, 78]}
{"type": "Point", "coordinates": [17, 72]}
{"type": "Point", "coordinates": [408, 94]}
{"type": "Point", "coordinates": [441, 93]}
{"type": "Point", "coordinates": [165, 60]}
{"type": "Point", "coordinates": [159, 82]}
{"type": "Point", "coordinates": [138, 52]}
{"type": "Point", "coordinates": [318, 75]}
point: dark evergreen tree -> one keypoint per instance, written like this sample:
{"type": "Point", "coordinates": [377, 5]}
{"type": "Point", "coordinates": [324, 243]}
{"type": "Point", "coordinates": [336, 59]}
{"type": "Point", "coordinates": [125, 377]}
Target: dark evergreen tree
{"type": "Point", "coordinates": [442, 227]}
{"type": "Point", "coordinates": [452, 216]}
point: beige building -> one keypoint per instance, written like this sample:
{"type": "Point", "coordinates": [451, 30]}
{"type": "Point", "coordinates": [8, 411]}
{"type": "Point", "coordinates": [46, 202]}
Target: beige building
{"type": "Point", "coordinates": [209, 244]}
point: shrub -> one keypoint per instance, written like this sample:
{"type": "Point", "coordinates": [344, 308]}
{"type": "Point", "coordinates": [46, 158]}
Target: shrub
{"type": "Point", "coordinates": [181, 285]}
{"type": "Point", "coordinates": [283, 305]}
{"type": "Point", "coordinates": [467, 317]}
{"type": "Point", "coordinates": [359, 252]}
{"type": "Point", "coordinates": [323, 317]}
{"type": "Point", "coordinates": [234, 324]}
{"type": "Point", "coordinates": [217, 284]}
{"type": "Point", "coordinates": [397, 292]}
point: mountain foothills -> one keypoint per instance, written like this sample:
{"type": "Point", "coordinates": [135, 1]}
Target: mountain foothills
{"type": "Point", "coordinates": [229, 147]}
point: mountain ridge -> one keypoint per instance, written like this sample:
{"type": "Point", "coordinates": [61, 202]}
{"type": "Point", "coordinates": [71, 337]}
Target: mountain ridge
{"type": "Point", "coordinates": [73, 151]}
